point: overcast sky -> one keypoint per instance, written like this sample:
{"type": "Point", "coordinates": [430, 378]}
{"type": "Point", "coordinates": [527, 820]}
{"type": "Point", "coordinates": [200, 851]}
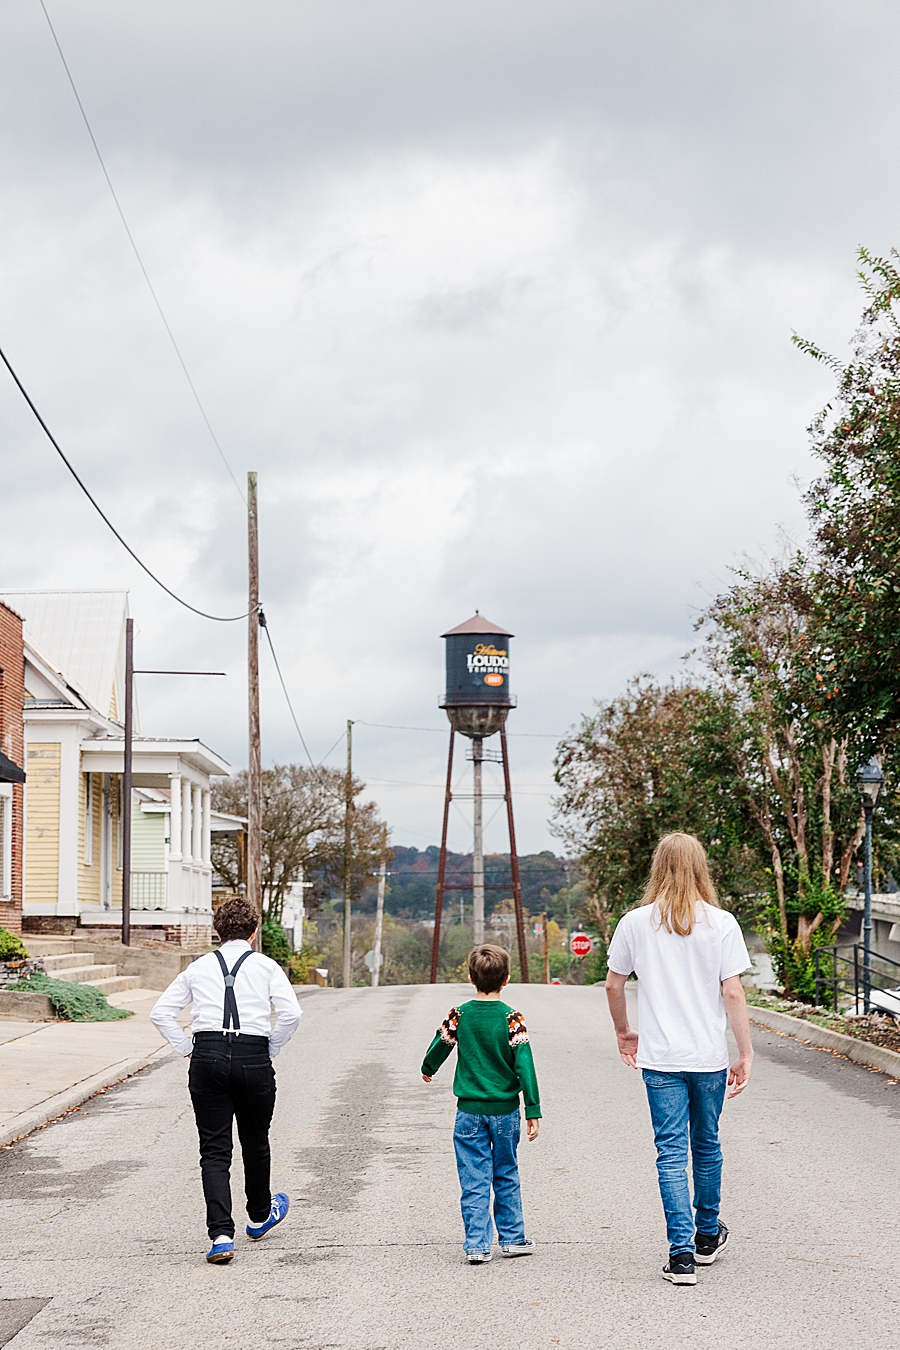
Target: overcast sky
{"type": "Point", "coordinates": [496, 298]}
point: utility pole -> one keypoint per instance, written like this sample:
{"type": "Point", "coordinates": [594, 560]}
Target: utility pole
{"type": "Point", "coordinates": [568, 927]}
{"type": "Point", "coordinates": [379, 921]}
{"type": "Point", "coordinates": [478, 849]}
{"type": "Point", "coordinates": [126, 783]}
{"type": "Point", "coordinates": [254, 760]}
{"type": "Point", "coordinates": [348, 842]}
{"type": "Point", "coordinates": [544, 921]}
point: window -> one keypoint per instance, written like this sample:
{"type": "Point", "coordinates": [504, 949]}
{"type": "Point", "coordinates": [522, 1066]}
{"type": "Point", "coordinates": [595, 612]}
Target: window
{"type": "Point", "coordinates": [5, 841]}
{"type": "Point", "coordinates": [88, 819]}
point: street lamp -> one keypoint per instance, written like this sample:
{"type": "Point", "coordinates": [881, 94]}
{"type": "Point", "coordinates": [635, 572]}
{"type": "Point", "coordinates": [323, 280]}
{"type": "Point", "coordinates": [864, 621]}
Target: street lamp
{"type": "Point", "coordinates": [870, 780]}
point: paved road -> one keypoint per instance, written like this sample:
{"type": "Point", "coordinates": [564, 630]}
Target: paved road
{"type": "Point", "coordinates": [103, 1233]}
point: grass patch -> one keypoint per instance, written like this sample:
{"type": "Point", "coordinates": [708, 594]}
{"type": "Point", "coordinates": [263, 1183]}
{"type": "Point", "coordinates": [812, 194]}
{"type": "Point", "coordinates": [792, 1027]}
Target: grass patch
{"type": "Point", "coordinates": [73, 1002]}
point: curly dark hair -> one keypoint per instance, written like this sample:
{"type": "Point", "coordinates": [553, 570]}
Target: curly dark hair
{"type": "Point", "coordinates": [235, 919]}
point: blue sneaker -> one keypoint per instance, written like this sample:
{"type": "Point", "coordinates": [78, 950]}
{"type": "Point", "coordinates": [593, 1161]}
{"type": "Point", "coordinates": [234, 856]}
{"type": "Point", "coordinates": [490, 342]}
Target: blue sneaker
{"type": "Point", "coordinates": [221, 1251]}
{"type": "Point", "coordinates": [280, 1206]}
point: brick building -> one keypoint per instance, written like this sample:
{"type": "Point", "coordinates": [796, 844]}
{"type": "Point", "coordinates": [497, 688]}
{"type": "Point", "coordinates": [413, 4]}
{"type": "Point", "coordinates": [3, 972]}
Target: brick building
{"type": "Point", "coordinates": [12, 757]}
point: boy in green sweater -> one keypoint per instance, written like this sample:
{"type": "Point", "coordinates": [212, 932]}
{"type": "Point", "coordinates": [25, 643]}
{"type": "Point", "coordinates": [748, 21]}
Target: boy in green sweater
{"type": "Point", "coordinates": [493, 1065]}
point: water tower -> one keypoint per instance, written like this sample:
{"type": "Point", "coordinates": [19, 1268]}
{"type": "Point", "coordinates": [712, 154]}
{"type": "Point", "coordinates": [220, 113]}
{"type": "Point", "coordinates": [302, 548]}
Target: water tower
{"type": "Point", "coordinates": [477, 702]}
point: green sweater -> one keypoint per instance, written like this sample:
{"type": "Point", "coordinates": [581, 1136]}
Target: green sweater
{"type": "Point", "coordinates": [493, 1062]}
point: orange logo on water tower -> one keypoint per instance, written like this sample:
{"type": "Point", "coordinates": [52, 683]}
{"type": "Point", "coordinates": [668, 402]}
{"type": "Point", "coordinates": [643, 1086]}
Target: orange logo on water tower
{"type": "Point", "coordinates": [493, 679]}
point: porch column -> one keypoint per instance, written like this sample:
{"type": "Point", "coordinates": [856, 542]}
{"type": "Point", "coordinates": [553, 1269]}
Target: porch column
{"type": "Point", "coordinates": [186, 796]}
{"type": "Point", "coordinates": [175, 820]}
{"type": "Point", "coordinates": [197, 824]}
{"type": "Point", "coordinates": [205, 849]}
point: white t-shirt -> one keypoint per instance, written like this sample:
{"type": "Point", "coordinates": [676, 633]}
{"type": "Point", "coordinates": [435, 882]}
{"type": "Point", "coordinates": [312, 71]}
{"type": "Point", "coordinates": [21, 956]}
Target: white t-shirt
{"type": "Point", "coordinates": [681, 1015]}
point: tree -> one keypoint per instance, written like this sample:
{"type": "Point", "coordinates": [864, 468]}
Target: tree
{"type": "Point", "coordinates": [791, 773]}
{"type": "Point", "coordinates": [302, 829]}
{"type": "Point", "coordinates": [655, 759]}
{"type": "Point", "coordinates": [854, 510]}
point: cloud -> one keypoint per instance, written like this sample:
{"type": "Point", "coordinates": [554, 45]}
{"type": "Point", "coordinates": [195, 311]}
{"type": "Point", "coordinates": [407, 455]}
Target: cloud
{"type": "Point", "coordinates": [497, 302]}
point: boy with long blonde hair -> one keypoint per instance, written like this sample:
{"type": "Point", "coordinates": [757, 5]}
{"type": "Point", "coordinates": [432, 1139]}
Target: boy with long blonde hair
{"type": "Point", "coordinates": [688, 954]}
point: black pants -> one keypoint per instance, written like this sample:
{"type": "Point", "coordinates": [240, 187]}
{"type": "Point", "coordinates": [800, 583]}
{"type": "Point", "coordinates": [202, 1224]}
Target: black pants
{"type": "Point", "coordinates": [230, 1078]}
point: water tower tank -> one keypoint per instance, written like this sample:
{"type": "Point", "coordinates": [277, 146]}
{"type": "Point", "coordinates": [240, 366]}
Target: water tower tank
{"type": "Point", "coordinates": [477, 698]}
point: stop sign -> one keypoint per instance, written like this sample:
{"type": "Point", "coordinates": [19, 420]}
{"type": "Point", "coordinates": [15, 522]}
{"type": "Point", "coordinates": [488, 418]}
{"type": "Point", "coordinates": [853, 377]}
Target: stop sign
{"type": "Point", "coordinates": [580, 944]}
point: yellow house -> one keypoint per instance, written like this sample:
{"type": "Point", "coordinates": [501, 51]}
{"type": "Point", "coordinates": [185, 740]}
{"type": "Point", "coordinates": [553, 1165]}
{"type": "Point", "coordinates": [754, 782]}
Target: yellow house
{"type": "Point", "coordinates": [74, 756]}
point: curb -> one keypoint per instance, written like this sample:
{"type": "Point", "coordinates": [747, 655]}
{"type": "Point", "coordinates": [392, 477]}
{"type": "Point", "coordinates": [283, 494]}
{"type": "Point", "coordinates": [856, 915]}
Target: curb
{"type": "Point", "coordinates": [16, 1128]}
{"type": "Point", "coordinates": [862, 1052]}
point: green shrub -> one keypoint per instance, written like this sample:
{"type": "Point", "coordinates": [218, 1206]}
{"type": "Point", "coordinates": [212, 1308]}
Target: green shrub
{"type": "Point", "coordinates": [73, 1002]}
{"type": "Point", "coordinates": [11, 946]}
{"type": "Point", "coordinates": [275, 943]}
{"type": "Point", "coordinates": [303, 963]}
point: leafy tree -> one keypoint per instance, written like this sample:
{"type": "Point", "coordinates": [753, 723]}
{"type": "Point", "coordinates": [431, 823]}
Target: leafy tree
{"type": "Point", "coordinates": [854, 509]}
{"type": "Point", "coordinates": [655, 759]}
{"type": "Point", "coordinates": [791, 775]}
{"type": "Point", "coordinates": [302, 829]}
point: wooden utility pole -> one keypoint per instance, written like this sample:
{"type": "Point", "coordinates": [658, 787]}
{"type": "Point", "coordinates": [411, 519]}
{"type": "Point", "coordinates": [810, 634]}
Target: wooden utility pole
{"type": "Point", "coordinates": [348, 844]}
{"type": "Point", "coordinates": [254, 760]}
{"type": "Point", "coordinates": [126, 783]}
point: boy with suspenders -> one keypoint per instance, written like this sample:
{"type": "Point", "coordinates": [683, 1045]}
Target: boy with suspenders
{"type": "Point", "coordinates": [233, 991]}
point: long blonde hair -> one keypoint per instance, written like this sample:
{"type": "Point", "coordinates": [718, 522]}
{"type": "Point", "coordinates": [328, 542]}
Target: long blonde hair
{"type": "Point", "coordinates": [679, 877]}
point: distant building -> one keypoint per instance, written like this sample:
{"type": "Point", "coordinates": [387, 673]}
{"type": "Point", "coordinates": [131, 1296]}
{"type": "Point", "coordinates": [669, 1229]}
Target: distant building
{"type": "Point", "coordinates": [12, 776]}
{"type": "Point", "coordinates": [74, 699]}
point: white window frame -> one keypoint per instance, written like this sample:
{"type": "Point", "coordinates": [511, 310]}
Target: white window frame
{"type": "Point", "coordinates": [6, 815]}
{"type": "Point", "coordinates": [88, 820]}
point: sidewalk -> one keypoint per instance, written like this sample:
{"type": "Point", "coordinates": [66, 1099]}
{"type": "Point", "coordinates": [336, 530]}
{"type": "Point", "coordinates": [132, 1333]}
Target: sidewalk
{"type": "Point", "coordinates": [47, 1068]}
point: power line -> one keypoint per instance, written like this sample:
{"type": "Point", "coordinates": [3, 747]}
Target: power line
{"type": "Point", "coordinates": [265, 628]}
{"type": "Point", "coordinates": [390, 726]}
{"type": "Point", "coordinates": [140, 261]}
{"type": "Point", "coordinates": [217, 618]}
{"type": "Point", "coordinates": [337, 742]}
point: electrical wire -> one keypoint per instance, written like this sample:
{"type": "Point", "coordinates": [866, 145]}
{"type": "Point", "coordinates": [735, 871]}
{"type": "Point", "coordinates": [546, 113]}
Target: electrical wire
{"type": "Point", "coordinates": [136, 251]}
{"type": "Point", "coordinates": [390, 726]}
{"type": "Point", "coordinates": [265, 627]}
{"type": "Point", "coordinates": [337, 742]}
{"type": "Point", "coordinates": [217, 618]}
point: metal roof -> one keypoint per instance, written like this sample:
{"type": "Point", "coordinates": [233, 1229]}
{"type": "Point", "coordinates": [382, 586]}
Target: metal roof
{"type": "Point", "coordinates": [83, 635]}
{"type": "Point", "coordinates": [478, 624]}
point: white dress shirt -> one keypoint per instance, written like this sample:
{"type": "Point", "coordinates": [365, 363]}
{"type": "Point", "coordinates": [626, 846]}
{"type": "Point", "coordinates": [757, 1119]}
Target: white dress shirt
{"type": "Point", "coordinates": [259, 986]}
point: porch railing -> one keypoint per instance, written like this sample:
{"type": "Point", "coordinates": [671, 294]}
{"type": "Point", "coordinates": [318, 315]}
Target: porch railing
{"type": "Point", "coordinates": [148, 890]}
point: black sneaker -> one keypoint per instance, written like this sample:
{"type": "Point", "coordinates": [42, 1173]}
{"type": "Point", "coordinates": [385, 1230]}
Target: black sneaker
{"type": "Point", "coordinates": [709, 1245]}
{"type": "Point", "coordinates": [679, 1269]}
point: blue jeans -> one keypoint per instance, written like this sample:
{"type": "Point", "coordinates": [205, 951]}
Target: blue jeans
{"type": "Point", "coordinates": [687, 1106]}
{"type": "Point", "coordinates": [486, 1155]}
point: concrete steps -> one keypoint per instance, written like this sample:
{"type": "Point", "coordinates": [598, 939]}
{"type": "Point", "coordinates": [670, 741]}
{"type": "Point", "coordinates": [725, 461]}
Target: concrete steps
{"type": "Point", "coordinates": [80, 968]}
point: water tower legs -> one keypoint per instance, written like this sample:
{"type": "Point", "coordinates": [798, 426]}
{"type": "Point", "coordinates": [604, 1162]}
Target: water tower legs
{"type": "Point", "coordinates": [478, 887]}
{"type": "Point", "coordinates": [442, 865]}
{"type": "Point", "coordinates": [514, 863]}
{"type": "Point", "coordinates": [478, 846]}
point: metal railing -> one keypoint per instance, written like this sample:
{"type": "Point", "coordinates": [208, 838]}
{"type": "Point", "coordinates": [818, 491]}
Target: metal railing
{"type": "Point", "coordinates": [148, 890]}
{"type": "Point", "coordinates": [851, 978]}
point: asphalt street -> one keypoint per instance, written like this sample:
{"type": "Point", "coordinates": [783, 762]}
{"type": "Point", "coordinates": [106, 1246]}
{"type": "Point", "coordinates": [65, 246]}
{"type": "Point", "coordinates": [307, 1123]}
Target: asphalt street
{"type": "Point", "coordinates": [104, 1235]}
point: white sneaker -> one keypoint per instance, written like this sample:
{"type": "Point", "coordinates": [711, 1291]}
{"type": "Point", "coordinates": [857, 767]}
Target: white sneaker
{"type": "Point", "coordinates": [478, 1258]}
{"type": "Point", "coordinates": [525, 1248]}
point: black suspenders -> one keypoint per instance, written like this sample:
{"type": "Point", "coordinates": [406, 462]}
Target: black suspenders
{"type": "Point", "coordinates": [230, 1019]}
